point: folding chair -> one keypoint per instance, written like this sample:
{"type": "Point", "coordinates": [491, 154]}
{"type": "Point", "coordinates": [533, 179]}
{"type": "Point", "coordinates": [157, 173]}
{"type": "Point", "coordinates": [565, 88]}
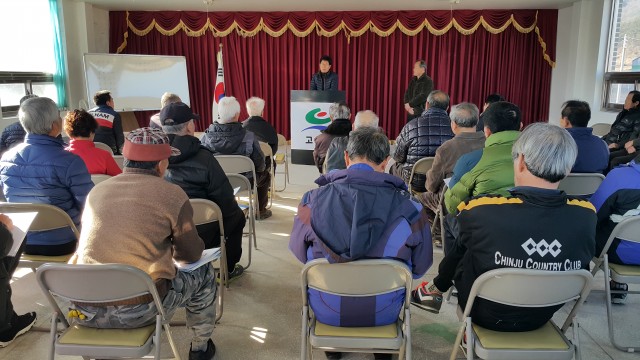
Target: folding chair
{"type": "Point", "coordinates": [238, 164]}
{"type": "Point", "coordinates": [420, 167]}
{"type": "Point", "coordinates": [119, 160]}
{"type": "Point", "coordinates": [79, 283]}
{"type": "Point", "coordinates": [268, 152]}
{"type": "Point", "coordinates": [357, 278]}
{"type": "Point", "coordinates": [629, 230]}
{"type": "Point", "coordinates": [49, 218]}
{"type": "Point", "coordinates": [98, 178]}
{"type": "Point", "coordinates": [581, 184]}
{"type": "Point", "coordinates": [525, 288]}
{"type": "Point", "coordinates": [280, 158]}
{"type": "Point", "coordinates": [241, 182]}
{"type": "Point", "coordinates": [601, 129]}
{"type": "Point", "coordinates": [103, 146]}
{"type": "Point", "coordinates": [206, 212]}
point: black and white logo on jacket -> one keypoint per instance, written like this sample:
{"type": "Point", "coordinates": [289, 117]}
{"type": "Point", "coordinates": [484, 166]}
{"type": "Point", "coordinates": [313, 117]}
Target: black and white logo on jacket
{"type": "Point", "coordinates": [542, 247]}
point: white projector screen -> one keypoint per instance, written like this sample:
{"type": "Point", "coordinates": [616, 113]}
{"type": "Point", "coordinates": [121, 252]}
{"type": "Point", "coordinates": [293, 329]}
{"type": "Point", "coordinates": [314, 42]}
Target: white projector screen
{"type": "Point", "coordinates": [136, 82]}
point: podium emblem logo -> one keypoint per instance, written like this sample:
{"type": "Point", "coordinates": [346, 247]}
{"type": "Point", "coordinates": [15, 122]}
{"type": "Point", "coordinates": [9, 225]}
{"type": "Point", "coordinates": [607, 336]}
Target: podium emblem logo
{"type": "Point", "coordinates": [317, 117]}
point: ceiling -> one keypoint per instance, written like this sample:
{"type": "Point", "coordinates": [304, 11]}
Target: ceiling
{"type": "Point", "coordinates": [324, 5]}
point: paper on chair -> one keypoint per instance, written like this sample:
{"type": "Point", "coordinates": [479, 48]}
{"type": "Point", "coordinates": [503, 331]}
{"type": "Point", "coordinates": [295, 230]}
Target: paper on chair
{"type": "Point", "coordinates": [21, 224]}
{"type": "Point", "coordinates": [208, 255]}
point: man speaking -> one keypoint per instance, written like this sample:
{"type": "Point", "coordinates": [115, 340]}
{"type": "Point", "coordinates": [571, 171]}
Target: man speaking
{"type": "Point", "coordinates": [325, 79]}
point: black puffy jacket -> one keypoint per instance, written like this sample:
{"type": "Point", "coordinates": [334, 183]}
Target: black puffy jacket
{"type": "Point", "coordinates": [421, 137]}
{"type": "Point", "coordinates": [233, 139]}
{"type": "Point", "coordinates": [199, 174]}
{"type": "Point", "coordinates": [625, 128]}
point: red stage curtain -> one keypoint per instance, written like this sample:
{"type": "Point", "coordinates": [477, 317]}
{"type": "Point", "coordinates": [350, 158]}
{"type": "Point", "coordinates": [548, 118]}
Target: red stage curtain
{"type": "Point", "coordinates": [268, 54]}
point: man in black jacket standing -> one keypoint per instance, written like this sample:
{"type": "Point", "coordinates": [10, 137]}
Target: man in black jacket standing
{"type": "Point", "coordinates": [325, 79]}
{"type": "Point", "coordinates": [198, 173]}
{"type": "Point", "coordinates": [419, 88]}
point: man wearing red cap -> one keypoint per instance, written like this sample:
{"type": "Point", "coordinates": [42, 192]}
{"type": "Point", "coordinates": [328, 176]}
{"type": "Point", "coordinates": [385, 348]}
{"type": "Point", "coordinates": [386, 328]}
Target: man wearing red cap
{"type": "Point", "coordinates": [139, 219]}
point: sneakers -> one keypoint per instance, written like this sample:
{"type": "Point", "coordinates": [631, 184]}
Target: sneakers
{"type": "Point", "coordinates": [427, 297]}
{"type": "Point", "coordinates": [19, 325]}
{"type": "Point", "coordinates": [264, 215]}
{"type": "Point", "coordinates": [204, 355]}
{"type": "Point", "coordinates": [618, 298]}
{"type": "Point", "coordinates": [237, 271]}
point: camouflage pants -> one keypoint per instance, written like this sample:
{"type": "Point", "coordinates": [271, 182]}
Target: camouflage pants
{"type": "Point", "coordinates": [195, 291]}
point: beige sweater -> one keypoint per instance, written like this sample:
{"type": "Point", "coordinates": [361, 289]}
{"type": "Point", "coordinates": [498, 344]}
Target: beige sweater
{"type": "Point", "coordinates": [138, 219]}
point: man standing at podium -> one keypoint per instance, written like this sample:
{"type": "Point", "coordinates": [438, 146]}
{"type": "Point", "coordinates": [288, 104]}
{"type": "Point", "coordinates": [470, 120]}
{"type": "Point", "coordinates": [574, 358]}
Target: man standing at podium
{"type": "Point", "coordinates": [325, 79]}
{"type": "Point", "coordinates": [419, 88]}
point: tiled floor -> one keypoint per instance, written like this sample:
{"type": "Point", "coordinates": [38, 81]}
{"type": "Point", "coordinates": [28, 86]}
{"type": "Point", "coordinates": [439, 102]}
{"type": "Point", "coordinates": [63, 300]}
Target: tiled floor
{"type": "Point", "coordinates": [262, 309]}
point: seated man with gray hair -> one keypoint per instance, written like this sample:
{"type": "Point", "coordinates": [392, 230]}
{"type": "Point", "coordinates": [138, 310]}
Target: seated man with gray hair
{"type": "Point", "coordinates": [378, 220]}
{"type": "Point", "coordinates": [335, 154]}
{"type": "Point", "coordinates": [167, 98]}
{"type": "Point", "coordinates": [421, 137]}
{"type": "Point", "coordinates": [264, 131]}
{"type": "Point", "coordinates": [464, 117]}
{"type": "Point", "coordinates": [227, 137]}
{"type": "Point", "coordinates": [340, 126]}
{"type": "Point", "coordinates": [536, 226]}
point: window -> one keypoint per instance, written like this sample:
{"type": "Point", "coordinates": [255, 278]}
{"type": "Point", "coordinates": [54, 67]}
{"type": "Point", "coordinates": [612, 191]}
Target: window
{"type": "Point", "coordinates": [623, 61]}
{"type": "Point", "coordinates": [28, 60]}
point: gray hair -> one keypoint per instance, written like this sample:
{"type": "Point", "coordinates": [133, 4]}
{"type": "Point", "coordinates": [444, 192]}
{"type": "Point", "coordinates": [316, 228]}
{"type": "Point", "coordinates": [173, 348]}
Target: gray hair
{"type": "Point", "coordinates": [169, 98]}
{"type": "Point", "coordinates": [255, 106]}
{"type": "Point", "coordinates": [438, 99]}
{"type": "Point", "coordinates": [368, 143]}
{"type": "Point", "coordinates": [366, 118]}
{"type": "Point", "coordinates": [228, 108]}
{"type": "Point", "coordinates": [37, 115]}
{"type": "Point", "coordinates": [465, 115]}
{"type": "Point", "coordinates": [178, 129]}
{"type": "Point", "coordinates": [549, 151]}
{"type": "Point", "coordinates": [339, 110]}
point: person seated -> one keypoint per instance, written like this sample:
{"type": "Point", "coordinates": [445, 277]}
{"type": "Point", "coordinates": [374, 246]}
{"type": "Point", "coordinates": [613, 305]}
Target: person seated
{"type": "Point", "coordinates": [497, 231]}
{"type": "Point", "coordinates": [340, 126]}
{"type": "Point", "coordinates": [260, 127]}
{"type": "Point", "coordinates": [110, 124]}
{"type": "Point", "coordinates": [14, 133]}
{"type": "Point", "coordinates": [488, 170]}
{"type": "Point", "coordinates": [384, 222]}
{"type": "Point", "coordinates": [81, 128]}
{"type": "Point", "coordinates": [199, 174]}
{"type": "Point", "coordinates": [421, 138]}
{"type": "Point", "coordinates": [40, 171]}
{"type": "Point", "coordinates": [335, 153]}
{"type": "Point", "coordinates": [492, 98]}
{"type": "Point", "coordinates": [167, 98]}
{"type": "Point", "coordinates": [618, 198]}
{"type": "Point", "coordinates": [156, 230]}
{"type": "Point", "coordinates": [593, 153]}
{"type": "Point", "coordinates": [624, 137]}
{"type": "Point", "coordinates": [12, 325]}
{"type": "Point", "coordinates": [226, 136]}
{"type": "Point", "coordinates": [464, 117]}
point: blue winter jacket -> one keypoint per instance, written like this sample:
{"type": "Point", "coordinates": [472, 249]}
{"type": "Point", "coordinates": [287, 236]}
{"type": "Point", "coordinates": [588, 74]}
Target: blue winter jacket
{"type": "Point", "coordinates": [41, 171]}
{"type": "Point", "coordinates": [593, 153]}
{"type": "Point", "coordinates": [360, 214]}
{"type": "Point", "coordinates": [11, 135]}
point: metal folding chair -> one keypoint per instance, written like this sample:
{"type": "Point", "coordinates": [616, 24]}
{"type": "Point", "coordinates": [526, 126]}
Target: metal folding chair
{"type": "Point", "coordinates": [357, 278]}
{"type": "Point", "coordinates": [104, 147]}
{"type": "Point", "coordinates": [281, 158]}
{"type": "Point", "coordinates": [629, 230]}
{"type": "Point", "coordinates": [525, 288]}
{"type": "Point", "coordinates": [268, 152]}
{"type": "Point", "coordinates": [601, 129]}
{"type": "Point", "coordinates": [78, 283]}
{"type": "Point", "coordinates": [98, 178]}
{"type": "Point", "coordinates": [581, 184]}
{"type": "Point", "coordinates": [241, 182]}
{"type": "Point", "coordinates": [420, 167]}
{"type": "Point", "coordinates": [119, 160]}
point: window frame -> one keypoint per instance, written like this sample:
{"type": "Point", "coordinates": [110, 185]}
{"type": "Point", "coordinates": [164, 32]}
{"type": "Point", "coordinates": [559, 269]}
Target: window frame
{"type": "Point", "coordinates": [615, 77]}
{"type": "Point", "coordinates": [25, 78]}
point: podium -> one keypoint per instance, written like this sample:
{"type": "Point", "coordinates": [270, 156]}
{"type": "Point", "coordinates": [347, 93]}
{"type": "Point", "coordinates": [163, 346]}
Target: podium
{"type": "Point", "coordinates": [309, 116]}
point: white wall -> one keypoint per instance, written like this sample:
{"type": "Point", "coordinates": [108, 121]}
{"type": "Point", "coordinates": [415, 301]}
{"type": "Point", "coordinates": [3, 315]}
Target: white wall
{"type": "Point", "coordinates": [581, 46]}
{"type": "Point", "coordinates": [86, 31]}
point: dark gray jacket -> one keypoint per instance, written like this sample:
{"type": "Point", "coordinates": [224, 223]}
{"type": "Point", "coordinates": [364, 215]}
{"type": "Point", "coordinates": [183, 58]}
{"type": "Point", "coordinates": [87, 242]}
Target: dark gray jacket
{"type": "Point", "coordinates": [233, 139]}
{"type": "Point", "coordinates": [326, 81]}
